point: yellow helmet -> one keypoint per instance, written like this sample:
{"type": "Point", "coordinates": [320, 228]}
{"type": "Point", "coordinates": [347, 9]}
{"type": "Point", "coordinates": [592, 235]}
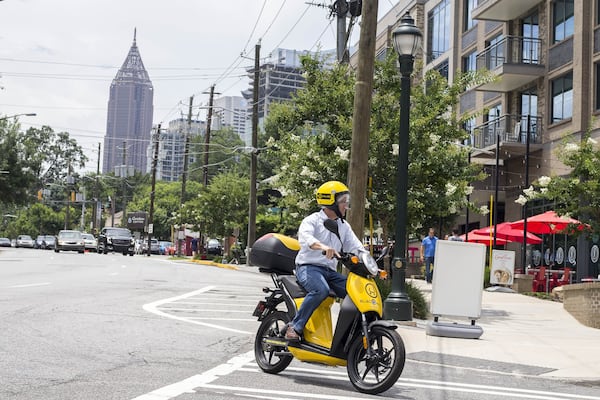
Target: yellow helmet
{"type": "Point", "coordinates": [328, 193]}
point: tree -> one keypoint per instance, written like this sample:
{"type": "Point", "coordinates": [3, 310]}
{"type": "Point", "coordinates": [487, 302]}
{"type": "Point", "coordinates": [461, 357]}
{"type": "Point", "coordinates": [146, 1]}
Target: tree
{"type": "Point", "coordinates": [221, 208]}
{"type": "Point", "coordinates": [167, 204]}
{"type": "Point", "coordinates": [16, 177]}
{"type": "Point", "coordinates": [310, 138]}
{"type": "Point", "coordinates": [577, 193]}
{"type": "Point", "coordinates": [226, 151]}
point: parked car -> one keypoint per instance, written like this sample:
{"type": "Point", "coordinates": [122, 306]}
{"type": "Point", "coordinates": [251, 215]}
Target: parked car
{"type": "Point", "coordinates": [163, 247]}
{"type": "Point", "coordinates": [5, 242]}
{"type": "Point", "coordinates": [213, 246]}
{"type": "Point", "coordinates": [69, 240]}
{"type": "Point", "coordinates": [119, 240]}
{"type": "Point", "coordinates": [45, 242]}
{"type": "Point", "coordinates": [89, 241]}
{"type": "Point", "coordinates": [38, 241]}
{"type": "Point", "coordinates": [24, 241]}
{"type": "Point", "coordinates": [154, 246]}
{"type": "Point", "coordinates": [49, 242]}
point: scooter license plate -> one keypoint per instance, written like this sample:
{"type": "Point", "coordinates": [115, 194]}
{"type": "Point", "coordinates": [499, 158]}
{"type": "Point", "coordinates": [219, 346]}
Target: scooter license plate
{"type": "Point", "coordinates": [260, 308]}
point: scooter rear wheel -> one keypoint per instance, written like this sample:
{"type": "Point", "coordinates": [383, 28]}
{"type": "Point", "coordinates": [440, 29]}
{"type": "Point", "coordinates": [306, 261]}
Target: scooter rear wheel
{"type": "Point", "coordinates": [268, 355]}
{"type": "Point", "coordinates": [378, 372]}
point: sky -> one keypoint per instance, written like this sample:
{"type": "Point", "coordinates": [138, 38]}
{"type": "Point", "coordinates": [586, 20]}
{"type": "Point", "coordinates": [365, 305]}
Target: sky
{"type": "Point", "coordinates": [58, 58]}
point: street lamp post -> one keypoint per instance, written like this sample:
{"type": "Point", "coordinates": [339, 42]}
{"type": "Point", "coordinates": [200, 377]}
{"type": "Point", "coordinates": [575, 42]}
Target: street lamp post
{"type": "Point", "coordinates": [407, 41]}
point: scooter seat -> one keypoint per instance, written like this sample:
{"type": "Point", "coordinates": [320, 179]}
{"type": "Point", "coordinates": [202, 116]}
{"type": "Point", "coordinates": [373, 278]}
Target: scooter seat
{"type": "Point", "coordinates": [295, 289]}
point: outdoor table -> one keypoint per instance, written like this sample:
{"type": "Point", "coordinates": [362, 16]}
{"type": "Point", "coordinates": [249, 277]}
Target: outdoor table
{"type": "Point", "coordinates": [550, 272]}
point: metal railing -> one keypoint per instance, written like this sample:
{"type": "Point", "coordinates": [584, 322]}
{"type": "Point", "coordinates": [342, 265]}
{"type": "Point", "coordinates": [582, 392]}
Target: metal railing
{"type": "Point", "coordinates": [510, 128]}
{"type": "Point", "coordinates": [510, 50]}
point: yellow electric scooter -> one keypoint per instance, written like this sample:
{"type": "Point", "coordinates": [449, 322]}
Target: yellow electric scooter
{"type": "Point", "coordinates": [370, 348]}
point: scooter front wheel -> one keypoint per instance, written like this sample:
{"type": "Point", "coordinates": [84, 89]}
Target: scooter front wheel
{"type": "Point", "coordinates": [267, 352]}
{"type": "Point", "coordinates": [378, 371]}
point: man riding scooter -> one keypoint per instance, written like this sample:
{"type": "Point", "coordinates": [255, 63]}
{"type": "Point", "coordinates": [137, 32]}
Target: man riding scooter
{"type": "Point", "coordinates": [315, 263]}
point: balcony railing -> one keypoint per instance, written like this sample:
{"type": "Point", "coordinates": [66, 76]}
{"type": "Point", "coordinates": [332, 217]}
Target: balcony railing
{"type": "Point", "coordinates": [510, 50]}
{"type": "Point", "coordinates": [510, 128]}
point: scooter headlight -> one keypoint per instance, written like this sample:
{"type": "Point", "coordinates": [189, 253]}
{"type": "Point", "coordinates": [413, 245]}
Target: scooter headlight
{"type": "Point", "coordinates": [369, 263]}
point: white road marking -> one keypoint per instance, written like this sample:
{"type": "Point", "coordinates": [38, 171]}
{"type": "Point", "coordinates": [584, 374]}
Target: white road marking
{"type": "Point", "coordinates": [188, 385]}
{"type": "Point", "coordinates": [154, 308]}
{"type": "Point", "coordinates": [30, 285]}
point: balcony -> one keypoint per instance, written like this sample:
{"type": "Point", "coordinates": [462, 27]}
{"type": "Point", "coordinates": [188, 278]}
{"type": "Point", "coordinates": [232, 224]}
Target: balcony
{"type": "Point", "coordinates": [503, 10]}
{"type": "Point", "coordinates": [515, 61]}
{"type": "Point", "coordinates": [512, 131]}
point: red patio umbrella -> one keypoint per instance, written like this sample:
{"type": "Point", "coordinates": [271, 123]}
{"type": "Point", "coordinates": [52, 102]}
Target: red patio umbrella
{"type": "Point", "coordinates": [484, 239]}
{"type": "Point", "coordinates": [547, 223]}
{"type": "Point", "coordinates": [506, 231]}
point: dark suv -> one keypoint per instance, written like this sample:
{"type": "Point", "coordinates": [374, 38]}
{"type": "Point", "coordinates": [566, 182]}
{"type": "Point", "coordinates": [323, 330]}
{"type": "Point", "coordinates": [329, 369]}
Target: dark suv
{"type": "Point", "coordinates": [119, 240]}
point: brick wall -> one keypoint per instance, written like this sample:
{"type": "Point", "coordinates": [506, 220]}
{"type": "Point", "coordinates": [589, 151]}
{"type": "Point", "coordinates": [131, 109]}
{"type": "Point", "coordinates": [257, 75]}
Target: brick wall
{"type": "Point", "coordinates": [582, 301]}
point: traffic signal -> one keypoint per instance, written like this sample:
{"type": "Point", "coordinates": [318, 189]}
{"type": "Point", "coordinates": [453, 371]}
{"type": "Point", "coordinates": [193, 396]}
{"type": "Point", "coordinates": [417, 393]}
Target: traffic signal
{"type": "Point", "coordinates": [40, 195]}
{"type": "Point", "coordinates": [72, 196]}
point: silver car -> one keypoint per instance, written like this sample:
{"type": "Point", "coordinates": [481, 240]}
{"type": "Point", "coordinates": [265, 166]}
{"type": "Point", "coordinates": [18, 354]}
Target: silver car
{"type": "Point", "coordinates": [24, 241]}
{"type": "Point", "coordinates": [89, 241]}
{"type": "Point", "coordinates": [69, 240]}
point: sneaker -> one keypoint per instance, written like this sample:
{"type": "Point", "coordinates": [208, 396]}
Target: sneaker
{"type": "Point", "coordinates": [291, 334]}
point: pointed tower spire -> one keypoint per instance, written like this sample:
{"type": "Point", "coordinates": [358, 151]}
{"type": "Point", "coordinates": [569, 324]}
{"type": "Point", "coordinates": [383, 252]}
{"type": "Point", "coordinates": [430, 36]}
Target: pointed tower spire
{"type": "Point", "coordinates": [133, 67]}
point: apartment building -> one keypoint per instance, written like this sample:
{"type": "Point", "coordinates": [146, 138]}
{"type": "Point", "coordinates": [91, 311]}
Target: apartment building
{"type": "Point", "coordinates": [545, 55]}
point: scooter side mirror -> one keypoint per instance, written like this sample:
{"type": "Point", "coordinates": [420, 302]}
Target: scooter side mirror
{"type": "Point", "coordinates": [332, 226]}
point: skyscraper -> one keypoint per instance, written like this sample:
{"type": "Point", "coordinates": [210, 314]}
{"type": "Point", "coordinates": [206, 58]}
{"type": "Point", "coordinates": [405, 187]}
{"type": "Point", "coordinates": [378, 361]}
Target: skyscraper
{"type": "Point", "coordinates": [129, 118]}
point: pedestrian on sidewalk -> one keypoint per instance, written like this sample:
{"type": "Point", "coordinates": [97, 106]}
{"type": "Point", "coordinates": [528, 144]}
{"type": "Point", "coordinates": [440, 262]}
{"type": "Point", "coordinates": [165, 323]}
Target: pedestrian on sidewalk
{"type": "Point", "coordinates": [428, 252]}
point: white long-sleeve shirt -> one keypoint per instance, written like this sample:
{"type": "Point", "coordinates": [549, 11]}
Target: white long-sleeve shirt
{"type": "Point", "coordinates": [312, 231]}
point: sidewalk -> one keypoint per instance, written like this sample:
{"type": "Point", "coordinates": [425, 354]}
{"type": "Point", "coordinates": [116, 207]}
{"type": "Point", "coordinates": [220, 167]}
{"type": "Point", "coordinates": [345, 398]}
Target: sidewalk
{"type": "Point", "coordinates": [518, 329]}
{"type": "Point", "coordinates": [527, 335]}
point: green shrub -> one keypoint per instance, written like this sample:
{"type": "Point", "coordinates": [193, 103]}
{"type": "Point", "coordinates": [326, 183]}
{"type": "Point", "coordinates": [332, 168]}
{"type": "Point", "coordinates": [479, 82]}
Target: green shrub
{"type": "Point", "coordinates": [420, 307]}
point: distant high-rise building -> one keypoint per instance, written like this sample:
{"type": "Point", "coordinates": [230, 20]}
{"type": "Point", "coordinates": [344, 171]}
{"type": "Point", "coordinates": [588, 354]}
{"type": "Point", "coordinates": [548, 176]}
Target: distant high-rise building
{"type": "Point", "coordinates": [129, 118]}
{"type": "Point", "coordinates": [279, 78]}
{"type": "Point", "coordinates": [230, 111]}
{"type": "Point", "coordinates": [172, 148]}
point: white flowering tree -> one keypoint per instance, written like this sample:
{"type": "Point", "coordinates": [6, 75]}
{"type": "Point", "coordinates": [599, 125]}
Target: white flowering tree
{"type": "Point", "coordinates": [576, 194]}
{"type": "Point", "coordinates": [311, 137]}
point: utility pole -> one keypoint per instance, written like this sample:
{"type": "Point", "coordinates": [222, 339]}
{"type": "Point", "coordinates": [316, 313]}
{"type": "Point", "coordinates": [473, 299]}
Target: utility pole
{"type": "Point", "coordinates": [123, 177]}
{"type": "Point", "coordinates": [357, 169]}
{"type": "Point", "coordinates": [340, 8]}
{"type": "Point", "coordinates": [97, 205]}
{"type": "Point", "coordinates": [180, 236]}
{"type": "Point", "coordinates": [207, 138]}
{"type": "Point", "coordinates": [152, 191]}
{"type": "Point", "coordinates": [253, 153]}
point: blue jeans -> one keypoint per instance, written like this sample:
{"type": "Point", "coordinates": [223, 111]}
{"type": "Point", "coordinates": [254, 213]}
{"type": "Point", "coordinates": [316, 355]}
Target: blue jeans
{"type": "Point", "coordinates": [428, 272]}
{"type": "Point", "coordinates": [316, 281]}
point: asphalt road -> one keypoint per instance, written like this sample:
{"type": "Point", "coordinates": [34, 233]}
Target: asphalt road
{"type": "Point", "coordinates": [88, 326]}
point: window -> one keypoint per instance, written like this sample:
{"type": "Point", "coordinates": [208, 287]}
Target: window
{"type": "Point", "coordinates": [469, 62]}
{"type": "Point", "coordinates": [563, 14]}
{"type": "Point", "coordinates": [597, 86]}
{"type": "Point", "coordinates": [529, 107]}
{"type": "Point", "coordinates": [469, 22]}
{"type": "Point", "coordinates": [469, 126]}
{"type": "Point", "coordinates": [439, 30]}
{"type": "Point", "coordinates": [495, 52]}
{"type": "Point", "coordinates": [562, 98]}
{"type": "Point", "coordinates": [531, 34]}
{"type": "Point", "coordinates": [442, 68]}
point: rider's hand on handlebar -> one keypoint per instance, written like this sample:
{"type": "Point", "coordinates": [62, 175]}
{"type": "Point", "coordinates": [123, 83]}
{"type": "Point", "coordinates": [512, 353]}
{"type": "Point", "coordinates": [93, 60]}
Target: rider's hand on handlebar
{"type": "Point", "coordinates": [329, 252]}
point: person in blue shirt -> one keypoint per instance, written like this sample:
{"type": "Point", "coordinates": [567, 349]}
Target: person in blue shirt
{"type": "Point", "coordinates": [428, 252]}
